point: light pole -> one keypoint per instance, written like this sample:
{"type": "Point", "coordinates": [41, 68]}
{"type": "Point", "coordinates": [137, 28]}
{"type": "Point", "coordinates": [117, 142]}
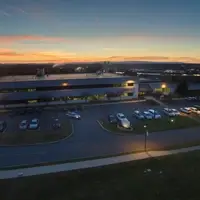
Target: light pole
{"type": "Point", "coordinates": [145, 137]}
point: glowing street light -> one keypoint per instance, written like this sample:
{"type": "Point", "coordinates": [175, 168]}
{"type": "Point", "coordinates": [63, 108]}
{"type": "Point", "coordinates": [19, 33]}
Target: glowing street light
{"type": "Point", "coordinates": [145, 137]}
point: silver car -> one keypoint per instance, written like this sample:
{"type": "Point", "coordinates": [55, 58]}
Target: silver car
{"type": "Point", "coordinates": [169, 112]}
{"type": "Point", "coordinates": [23, 125]}
{"type": "Point", "coordinates": [147, 115]}
{"type": "Point", "coordinates": [138, 114]}
{"type": "Point", "coordinates": [123, 121]}
{"type": "Point", "coordinates": [176, 112]}
{"type": "Point", "coordinates": [185, 110]}
{"type": "Point", "coordinates": [73, 115]}
{"type": "Point", "coordinates": [155, 114]}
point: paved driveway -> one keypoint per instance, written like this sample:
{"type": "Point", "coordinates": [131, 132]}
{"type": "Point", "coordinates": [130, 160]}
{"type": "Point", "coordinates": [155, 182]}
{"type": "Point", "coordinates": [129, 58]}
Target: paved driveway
{"type": "Point", "coordinates": [90, 140]}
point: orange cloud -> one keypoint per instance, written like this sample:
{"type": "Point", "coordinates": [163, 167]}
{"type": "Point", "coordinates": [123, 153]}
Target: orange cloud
{"type": "Point", "coordinates": [10, 56]}
{"type": "Point", "coordinates": [4, 39]}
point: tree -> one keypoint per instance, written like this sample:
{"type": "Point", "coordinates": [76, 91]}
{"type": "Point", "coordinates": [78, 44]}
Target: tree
{"type": "Point", "coordinates": [182, 88]}
{"type": "Point", "coordinates": [85, 95]}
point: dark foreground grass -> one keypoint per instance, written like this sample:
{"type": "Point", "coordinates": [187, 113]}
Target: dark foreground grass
{"type": "Point", "coordinates": [172, 177]}
{"type": "Point", "coordinates": [36, 136]}
{"type": "Point", "coordinates": [163, 124]}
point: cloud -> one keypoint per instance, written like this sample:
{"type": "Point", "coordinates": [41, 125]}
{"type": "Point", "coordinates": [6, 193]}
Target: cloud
{"type": "Point", "coordinates": [4, 13]}
{"type": "Point", "coordinates": [7, 55]}
{"type": "Point", "coordinates": [9, 39]}
{"type": "Point", "coordinates": [11, 56]}
{"type": "Point", "coordinates": [155, 58]}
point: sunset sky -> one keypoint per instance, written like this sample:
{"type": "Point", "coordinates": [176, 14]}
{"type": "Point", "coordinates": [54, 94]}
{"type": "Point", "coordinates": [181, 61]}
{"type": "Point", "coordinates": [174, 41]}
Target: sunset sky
{"type": "Point", "coordinates": [98, 30]}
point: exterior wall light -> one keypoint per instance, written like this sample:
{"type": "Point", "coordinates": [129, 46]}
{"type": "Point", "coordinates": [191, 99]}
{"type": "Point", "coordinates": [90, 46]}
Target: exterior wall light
{"type": "Point", "coordinates": [65, 84]}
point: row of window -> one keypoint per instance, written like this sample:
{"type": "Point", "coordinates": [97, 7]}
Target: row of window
{"type": "Point", "coordinates": [65, 87]}
{"type": "Point", "coordinates": [94, 97]}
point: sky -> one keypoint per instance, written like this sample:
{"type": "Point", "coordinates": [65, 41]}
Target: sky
{"type": "Point", "coordinates": [99, 30]}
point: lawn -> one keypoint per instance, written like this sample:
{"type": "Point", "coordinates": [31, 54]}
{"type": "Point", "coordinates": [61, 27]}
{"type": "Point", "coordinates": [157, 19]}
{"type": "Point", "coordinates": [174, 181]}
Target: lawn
{"type": "Point", "coordinates": [36, 136]}
{"type": "Point", "coordinates": [162, 124]}
{"type": "Point", "coordinates": [154, 179]}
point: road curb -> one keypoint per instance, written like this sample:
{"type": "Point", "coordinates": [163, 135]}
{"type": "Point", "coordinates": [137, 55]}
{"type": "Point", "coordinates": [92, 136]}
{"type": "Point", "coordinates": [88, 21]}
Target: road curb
{"type": "Point", "coordinates": [42, 143]}
{"type": "Point", "coordinates": [117, 102]}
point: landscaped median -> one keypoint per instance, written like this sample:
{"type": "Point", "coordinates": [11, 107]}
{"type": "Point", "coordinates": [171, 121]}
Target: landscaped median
{"type": "Point", "coordinates": [28, 137]}
{"type": "Point", "coordinates": [163, 124]}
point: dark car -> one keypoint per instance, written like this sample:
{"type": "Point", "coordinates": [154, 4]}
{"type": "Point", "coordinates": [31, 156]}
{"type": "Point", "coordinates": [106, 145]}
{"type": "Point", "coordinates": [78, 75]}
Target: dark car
{"type": "Point", "coordinates": [30, 110]}
{"type": "Point", "coordinates": [112, 119]}
{"type": "Point", "coordinates": [20, 112]}
{"type": "Point", "coordinates": [2, 126]}
{"type": "Point", "coordinates": [72, 109]}
{"type": "Point", "coordinates": [80, 107]}
{"type": "Point", "coordinates": [56, 124]}
{"type": "Point", "coordinates": [38, 110]}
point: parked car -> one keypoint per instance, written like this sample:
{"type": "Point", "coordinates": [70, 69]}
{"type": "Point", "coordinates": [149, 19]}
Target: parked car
{"type": "Point", "coordinates": [185, 110]}
{"type": "Point", "coordinates": [56, 124]}
{"type": "Point", "coordinates": [191, 98]}
{"type": "Point", "coordinates": [147, 115]}
{"type": "Point", "coordinates": [169, 112]}
{"type": "Point", "coordinates": [34, 124]}
{"type": "Point", "coordinates": [80, 107]}
{"type": "Point", "coordinates": [30, 110]}
{"type": "Point", "coordinates": [123, 121]}
{"type": "Point", "coordinates": [2, 126]}
{"type": "Point", "coordinates": [155, 114]}
{"type": "Point", "coordinates": [112, 119]}
{"type": "Point", "coordinates": [195, 110]}
{"type": "Point", "coordinates": [175, 111]}
{"type": "Point", "coordinates": [23, 125]}
{"type": "Point", "coordinates": [138, 114]}
{"type": "Point", "coordinates": [72, 109]}
{"type": "Point", "coordinates": [20, 112]}
{"type": "Point", "coordinates": [74, 115]}
{"type": "Point", "coordinates": [38, 110]}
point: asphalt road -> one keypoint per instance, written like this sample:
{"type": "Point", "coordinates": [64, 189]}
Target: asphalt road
{"type": "Point", "coordinates": [88, 139]}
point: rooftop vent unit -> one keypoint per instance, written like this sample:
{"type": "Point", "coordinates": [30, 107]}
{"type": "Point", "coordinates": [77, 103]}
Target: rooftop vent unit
{"type": "Point", "coordinates": [40, 72]}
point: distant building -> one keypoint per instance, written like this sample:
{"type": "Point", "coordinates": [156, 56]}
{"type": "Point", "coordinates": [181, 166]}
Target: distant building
{"type": "Point", "coordinates": [66, 88]}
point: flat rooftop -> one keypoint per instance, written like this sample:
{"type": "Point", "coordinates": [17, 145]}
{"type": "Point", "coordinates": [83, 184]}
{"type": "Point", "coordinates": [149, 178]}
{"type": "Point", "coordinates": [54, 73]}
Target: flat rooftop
{"type": "Point", "coordinates": [56, 77]}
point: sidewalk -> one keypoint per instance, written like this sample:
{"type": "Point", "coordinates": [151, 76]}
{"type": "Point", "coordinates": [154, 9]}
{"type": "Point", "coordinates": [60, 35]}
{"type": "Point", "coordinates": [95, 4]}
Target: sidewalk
{"type": "Point", "coordinates": [9, 174]}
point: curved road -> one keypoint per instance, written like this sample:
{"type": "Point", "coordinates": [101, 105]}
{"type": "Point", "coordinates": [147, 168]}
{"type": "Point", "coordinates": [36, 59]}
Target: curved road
{"type": "Point", "coordinates": [89, 140]}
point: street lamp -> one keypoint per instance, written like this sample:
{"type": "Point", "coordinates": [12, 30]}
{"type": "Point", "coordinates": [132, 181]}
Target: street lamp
{"type": "Point", "coordinates": [145, 137]}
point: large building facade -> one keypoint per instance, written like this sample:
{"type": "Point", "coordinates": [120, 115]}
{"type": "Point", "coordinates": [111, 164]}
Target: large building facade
{"type": "Point", "coordinates": [66, 88]}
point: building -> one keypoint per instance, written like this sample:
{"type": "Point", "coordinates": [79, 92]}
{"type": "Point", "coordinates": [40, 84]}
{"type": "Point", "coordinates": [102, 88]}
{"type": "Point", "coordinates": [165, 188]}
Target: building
{"type": "Point", "coordinates": [156, 87]}
{"type": "Point", "coordinates": [66, 88]}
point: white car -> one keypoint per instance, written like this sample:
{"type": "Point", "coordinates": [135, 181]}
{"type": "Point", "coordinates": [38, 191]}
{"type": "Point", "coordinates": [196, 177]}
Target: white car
{"type": "Point", "coordinates": [23, 125]}
{"type": "Point", "coordinates": [138, 114]}
{"type": "Point", "coordinates": [185, 110]}
{"type": "Point", "coordinates": [124, 122]}
{"type": "Point", "coordinates": [34, 124]}
{"type": "Point", "coordinates": [169, 112]}
{"type": "Point", "coordinates": [147, 115]}
{"type": "Point", "coordinates": [73, 115]}
{"type": "Point", "coordinates": [155, 114]}
{"type": "Point", "coordinates": [195, 110]}
{"type": "Point", "coordinates": [176, 112]}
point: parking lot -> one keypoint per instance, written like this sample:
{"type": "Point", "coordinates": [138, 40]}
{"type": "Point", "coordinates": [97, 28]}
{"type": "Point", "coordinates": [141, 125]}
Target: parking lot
{"type": "Point", "coordinates": [45, 129]}
{"type": "Point", "coordinates": [89, 139]}
{"type": "Point", "coordinates": [89, 116]}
